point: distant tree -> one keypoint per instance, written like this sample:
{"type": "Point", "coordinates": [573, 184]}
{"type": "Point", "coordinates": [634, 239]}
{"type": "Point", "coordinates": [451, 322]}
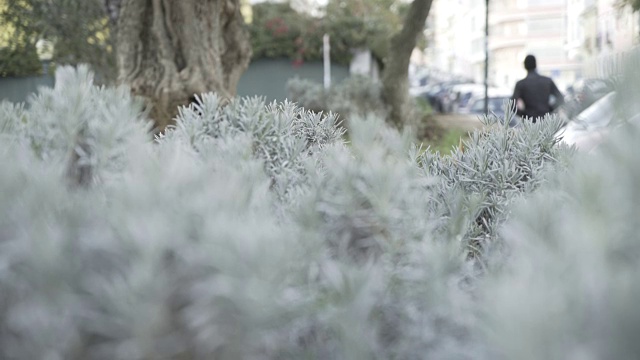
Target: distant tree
{"type": "Point", "coordinates": [391, 29]}
{"type": "Point", "coordinates": [278, 31]}
{"type": "Point", "coordinates": [286, 30]}
{"type": "Point", "coordinates": [395, 78]}
{"type": "Point", "coordinates": [366, 23]}
{"type": "Point", "coordinates": [78, 30]}
{"type": "Point", "coordinates": [19, 60]}
{"type": "Point", "coordinates": [635, 4]}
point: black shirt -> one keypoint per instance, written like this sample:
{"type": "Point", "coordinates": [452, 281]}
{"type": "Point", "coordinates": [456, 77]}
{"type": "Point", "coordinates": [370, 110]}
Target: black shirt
{"type": "Point", "coordinates": [535, 91]}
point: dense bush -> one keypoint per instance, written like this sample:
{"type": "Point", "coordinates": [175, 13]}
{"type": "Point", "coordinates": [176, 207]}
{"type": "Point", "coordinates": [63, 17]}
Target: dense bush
{"type": "Point", "coordinates": [361, 96]}
{"type": "Point", "coordinates": [355, 96]}
{"type": "Point", "coordinates": [277, 31]}
{"type": "Point", "coordinates": [252, 231]}
{"type": "Point", "coordinates": [492, 168]}
{"type": "Point", "coordinates": [570, 285]}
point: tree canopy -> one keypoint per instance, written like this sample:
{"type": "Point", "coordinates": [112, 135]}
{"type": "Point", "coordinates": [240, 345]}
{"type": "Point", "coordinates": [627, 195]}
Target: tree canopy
{"type": "Point", "coordinates": [78, 30]}
{"type": "Point", "coordinates": [19, 60]}
{"type": "Point", "coordinates": [635, 4]}
{"type": "Point", "coordinates": [18, 57]}
{"type": "Point", "coordinates": [277, 30]}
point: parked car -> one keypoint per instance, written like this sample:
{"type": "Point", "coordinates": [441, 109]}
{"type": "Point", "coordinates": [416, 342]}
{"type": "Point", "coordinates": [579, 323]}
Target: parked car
{"type": "Point", "coordinates": [441, 97]}
{"type": "Point", "coordinates": [583, 94]}
{"type": "Point", "coordinates": [462, 93]}
{"type": "Point", "coordinates": [591, 126]}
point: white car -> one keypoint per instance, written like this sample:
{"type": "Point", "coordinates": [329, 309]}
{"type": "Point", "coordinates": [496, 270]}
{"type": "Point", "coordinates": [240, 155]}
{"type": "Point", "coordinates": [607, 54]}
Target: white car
{"type": "Point", "coordinates": [592, 126]}
{"type": "Point", "coordinates": [587, 130]}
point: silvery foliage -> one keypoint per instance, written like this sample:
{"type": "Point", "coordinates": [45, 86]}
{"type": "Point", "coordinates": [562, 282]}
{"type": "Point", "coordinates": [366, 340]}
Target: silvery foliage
{"type": "Point", "coordinates": [356, 95]}
{"type": "Point", "coordinates": [284, 136]}
{"type": "Point", "coordinates": [570, 288]}
{"type": "Point", "coordinates": [307, 93]}
{"type": "Point", "coordinates": [90, 127]}
{"type": "Point", "coordinates": [179, 256]}
{"type": "Point", "coordinates": [488, 171]}
{"type": "Point", "coordinates": [247, 231]}
{"type": "Point", "coordinates": [370, 210]}
{"type": "Point", "coordinates": [363, 212]}
{"type": "Point", "coordinates": [627, 89]}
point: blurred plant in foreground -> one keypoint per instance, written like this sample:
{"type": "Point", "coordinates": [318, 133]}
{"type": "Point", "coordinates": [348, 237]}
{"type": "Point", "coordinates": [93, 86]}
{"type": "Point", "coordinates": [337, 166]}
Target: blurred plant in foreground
{"type": "Point", "coordinates": [252, 231]}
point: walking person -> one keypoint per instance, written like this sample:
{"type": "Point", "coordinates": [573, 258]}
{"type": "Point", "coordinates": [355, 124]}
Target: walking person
{"type": "Point", "coordinates": [532, 95]}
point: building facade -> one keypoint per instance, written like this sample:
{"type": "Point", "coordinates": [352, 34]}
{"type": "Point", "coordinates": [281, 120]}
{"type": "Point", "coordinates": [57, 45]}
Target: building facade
{"type": "Point", "coordinates": [538, 27]}
{"type": "Point", "coordinates": [571, 39]}
{"type": "Point", "coordinates": [455, 34]}
{"type": "Point", "coordinates": [607, 32]}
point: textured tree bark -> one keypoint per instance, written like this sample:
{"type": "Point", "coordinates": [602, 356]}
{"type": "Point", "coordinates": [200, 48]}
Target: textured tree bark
{"type": "Point", "coordinates": [395, 77]}
{"type": "Point", "coordinates": [169, 50]}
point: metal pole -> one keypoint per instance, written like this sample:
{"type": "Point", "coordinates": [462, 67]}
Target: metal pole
{"type": "Point", "coordinates": [486, 58]}
{"type": "Point", "coordinates": [327, 61]}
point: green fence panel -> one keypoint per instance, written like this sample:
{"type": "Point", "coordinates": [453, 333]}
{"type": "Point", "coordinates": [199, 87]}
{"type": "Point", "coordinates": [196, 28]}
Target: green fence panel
{"type": "Point", "coordinates": [268, 77]}
{"type": "Point", "coordinates": [17, 89]}
{"type": "Point", "coordinates": [264, 77]}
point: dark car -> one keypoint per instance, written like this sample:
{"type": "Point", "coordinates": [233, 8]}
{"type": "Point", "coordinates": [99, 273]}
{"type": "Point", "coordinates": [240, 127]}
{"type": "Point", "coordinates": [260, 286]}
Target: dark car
{"type": "Point", "coordinates": [441, 96]}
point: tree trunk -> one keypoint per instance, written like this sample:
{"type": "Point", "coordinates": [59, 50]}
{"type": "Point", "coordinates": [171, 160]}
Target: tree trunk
{"type": "Point", "coordinates": [169, 50]}
{"type": "Point", "coordinates": [395, 77]}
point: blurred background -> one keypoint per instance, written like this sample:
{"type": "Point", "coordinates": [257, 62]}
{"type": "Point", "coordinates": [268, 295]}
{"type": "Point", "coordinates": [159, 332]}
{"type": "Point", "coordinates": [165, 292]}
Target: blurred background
{"type": "Point", "coordinates": [580, 44]}
{"type": "Point", "coordinates": [466, 46]}
{"type": "Point", "coordinates": [574, 41]}
{"type": "Point", "coordinates": [255, 231]}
